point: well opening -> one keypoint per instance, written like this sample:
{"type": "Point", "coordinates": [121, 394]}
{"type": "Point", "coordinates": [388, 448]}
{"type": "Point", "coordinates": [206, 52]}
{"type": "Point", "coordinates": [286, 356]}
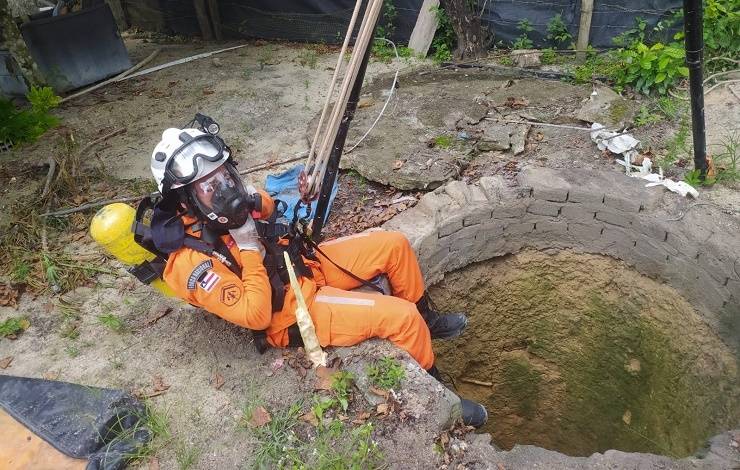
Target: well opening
{"type": "Point", "coordinates": [579, 353]}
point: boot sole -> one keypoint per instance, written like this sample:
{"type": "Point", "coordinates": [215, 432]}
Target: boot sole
{"type": "Point", "coordinates": [454, 334]}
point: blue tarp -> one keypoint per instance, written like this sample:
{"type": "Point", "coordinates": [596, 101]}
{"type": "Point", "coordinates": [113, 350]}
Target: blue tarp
{"type": "Point", "coordinates": [284, 186]}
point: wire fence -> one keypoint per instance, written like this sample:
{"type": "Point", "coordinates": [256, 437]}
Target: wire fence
{"type": "Point", "coordinates": [326, 20]}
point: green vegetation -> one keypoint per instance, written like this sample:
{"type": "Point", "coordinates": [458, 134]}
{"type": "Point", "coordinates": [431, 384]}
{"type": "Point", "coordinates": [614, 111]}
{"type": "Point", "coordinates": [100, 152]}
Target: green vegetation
{"type": "Point", "coordinates": [13, 326]}
{"type": "Point", "coordinates": [386, 373]}
{"type": "Point", "coordinates": [443, 141]}
{"type": "Point", "coordinates": [285, 443]}
{"type": "Point", "coordinates": [726, 161]}
{"type": "Point", "coordinates": [186, 456]}
{"type": "Point", "coordinates": [19, 126]}
{"type": "Point", "coordinates": [650, 68]}
{"type": "Point", "coordinates": [112, 321]}
{"type": "Point", "coordinates": [557, 32]}
{"type": "Point", "coordinates": [678, 146]}
{"type": "Point", "coordinates": [341, 386]}
{"type": "Point", "coordinates": [524, 26]}
{"type": "Point", "coordinates": [308, 58]}
{"type": "Point", "coordinates": [444, 38]}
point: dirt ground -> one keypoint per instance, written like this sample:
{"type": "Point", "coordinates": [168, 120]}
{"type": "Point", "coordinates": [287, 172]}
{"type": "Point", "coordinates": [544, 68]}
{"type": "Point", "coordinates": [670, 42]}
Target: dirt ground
{"type": "Point", "coordinates": [264, 96]}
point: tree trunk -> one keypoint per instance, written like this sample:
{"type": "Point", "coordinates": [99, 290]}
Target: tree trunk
{"type": "Point", "coordinates": [12, 40]}
{"type": "Point", "coordinates": [472, 37]}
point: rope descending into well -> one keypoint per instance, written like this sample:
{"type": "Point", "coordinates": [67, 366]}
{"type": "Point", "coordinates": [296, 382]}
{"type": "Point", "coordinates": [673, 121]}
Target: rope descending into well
{"type": "Point", "coordinates": [327, 129]}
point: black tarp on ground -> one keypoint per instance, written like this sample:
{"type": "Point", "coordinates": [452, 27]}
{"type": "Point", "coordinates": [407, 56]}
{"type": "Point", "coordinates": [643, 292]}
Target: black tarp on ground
{"type": "Point", "coordinates": [98, 424]}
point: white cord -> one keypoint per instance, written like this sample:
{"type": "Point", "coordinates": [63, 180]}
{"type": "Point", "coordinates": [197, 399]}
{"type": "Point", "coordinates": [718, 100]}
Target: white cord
{"type": "Point", "coordinates": [387, 101]}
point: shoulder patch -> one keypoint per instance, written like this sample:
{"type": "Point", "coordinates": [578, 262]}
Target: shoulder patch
{"type": "Point", "coordinates": [198, 272]}
{"type": "Point", "coordinates": [209, 281]}
{"type": "Point", "coordinates": [230, 294]}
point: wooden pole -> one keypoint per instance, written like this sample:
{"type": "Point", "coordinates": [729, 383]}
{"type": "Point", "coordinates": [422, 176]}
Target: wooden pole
{"type": "Point", "coordinates": [215, 19]}
{"type": "Point", "coordinates": [426, 25]}
{"type": "Point", "coordinates": [584, 28]}
{"type": "Point", "coordinates": [201, 11]}
{"type": "Point", "coordinates": [119, 14]}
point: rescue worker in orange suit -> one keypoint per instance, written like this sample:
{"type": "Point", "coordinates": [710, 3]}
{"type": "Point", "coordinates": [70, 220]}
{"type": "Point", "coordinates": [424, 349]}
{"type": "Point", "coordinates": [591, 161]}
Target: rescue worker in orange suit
{"type": "Point", "coordinates": [194, 170]}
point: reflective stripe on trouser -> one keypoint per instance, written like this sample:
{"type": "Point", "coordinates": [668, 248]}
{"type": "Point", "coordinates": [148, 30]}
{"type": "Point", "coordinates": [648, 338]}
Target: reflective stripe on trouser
{"type": "Point", "coordinates": [343, 318]}
{"type": "Point", "coordinates": [368, 254]}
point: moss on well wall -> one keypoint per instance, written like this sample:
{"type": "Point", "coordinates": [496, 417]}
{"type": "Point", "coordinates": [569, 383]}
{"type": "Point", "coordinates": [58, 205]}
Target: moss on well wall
{"type": "Point", "coordinates": [586, 355]}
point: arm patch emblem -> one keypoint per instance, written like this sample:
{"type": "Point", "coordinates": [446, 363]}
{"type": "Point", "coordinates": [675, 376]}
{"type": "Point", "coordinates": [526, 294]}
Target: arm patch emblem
{"type": "Point", "coordinates": [199, 272]}
{"type": "Point", "coordinates": [230, 294]}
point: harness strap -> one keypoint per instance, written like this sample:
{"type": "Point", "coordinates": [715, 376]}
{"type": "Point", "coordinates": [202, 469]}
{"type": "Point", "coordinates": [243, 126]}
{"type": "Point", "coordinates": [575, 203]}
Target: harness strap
{"type": "Point", "coordinates": [349, 273]}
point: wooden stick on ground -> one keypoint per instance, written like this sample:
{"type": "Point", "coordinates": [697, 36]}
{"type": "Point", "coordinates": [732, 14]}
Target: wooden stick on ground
{"type": "Point", "coordinates": [477, 382]}
{"type": "Point", "coordinates": [49, 177]}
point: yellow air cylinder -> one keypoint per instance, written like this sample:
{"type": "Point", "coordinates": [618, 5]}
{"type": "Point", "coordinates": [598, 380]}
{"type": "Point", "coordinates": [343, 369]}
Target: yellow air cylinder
{"type": "Point", "coordinates": [112, 229]}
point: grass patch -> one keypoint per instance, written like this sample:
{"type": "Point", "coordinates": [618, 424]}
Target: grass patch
{"type": "Point", "coordinates": [186, 456]}
{"type": "Point", "coordinates": [387, 373]}
{"type": "Point", "coordinates": [443, 141]}
{"type": "Point", "coordinates": [308, 58]}
{"type": "Point", "coordinates": [13, 326]}
{"type": "Point", "coordinates": [112, 322]}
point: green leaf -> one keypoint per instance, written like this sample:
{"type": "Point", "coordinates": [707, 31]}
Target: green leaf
{"type": "Point", "coordinates": [684, 71]}
{"type": "Point", "coordinates": [660, 77]}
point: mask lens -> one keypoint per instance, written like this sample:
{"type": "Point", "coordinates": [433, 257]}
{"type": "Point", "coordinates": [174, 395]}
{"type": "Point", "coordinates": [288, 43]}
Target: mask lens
{"type": "Point", "coordinates": [215, 188]}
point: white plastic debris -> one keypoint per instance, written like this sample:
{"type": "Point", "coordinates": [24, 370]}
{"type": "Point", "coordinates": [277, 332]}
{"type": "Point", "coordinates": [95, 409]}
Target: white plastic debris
{"type": "Point", "coordinates": [681, 187]}
{"type": "Point", "coordinates": [656, 179]}
{"type": "Point", "coordinates": [615, 142]}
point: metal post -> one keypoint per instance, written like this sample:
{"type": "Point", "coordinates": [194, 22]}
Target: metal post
{"type": "Point", "coordinates": [332, 166]}
{"type": "Point", "coordinates": [694, 40]}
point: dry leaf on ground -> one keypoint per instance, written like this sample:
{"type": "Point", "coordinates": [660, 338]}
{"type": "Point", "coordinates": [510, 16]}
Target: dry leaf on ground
{"type": "Point", "coordinates": [383, 409]}
{"type": "Point", "coordinates": [51, 375]}
{"type": "Point", "coordinates": [153, 463]}
{"type": "Point", "coordinates": [260, 417]}
{"type": "Point", "coordinates": [154, 317]}
{"type": "Point", "coordinates": [8, 295]}
{"type": "Point", "coordinates": [310, 418]}
{"type": "Point", "coordinates": [379, 391]}
{"type": "Point", "coordinates": [398, 164]}
{"type": "Point", "coordinates": [159, 385]}
{"type": "Point", "coordinates": [217, 381]}
{"type": "Point", "coordinates": [5, 362]}
{"type": "Point", "coordinates": [324, 377]}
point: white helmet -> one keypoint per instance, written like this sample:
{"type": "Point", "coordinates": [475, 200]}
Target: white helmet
{"type": "Point", "coordinates": [184, 155]}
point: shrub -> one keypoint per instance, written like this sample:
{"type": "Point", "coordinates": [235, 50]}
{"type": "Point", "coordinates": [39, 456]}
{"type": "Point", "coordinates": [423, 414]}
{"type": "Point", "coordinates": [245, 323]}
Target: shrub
{"type": "Point", "coordinates": [26, 125]}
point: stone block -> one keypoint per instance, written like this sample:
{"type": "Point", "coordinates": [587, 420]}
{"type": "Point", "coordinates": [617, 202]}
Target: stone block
{"type": "Point", "coordinates": [706, 291]}
{"type": "Point", "coordinates": [477, 196]}
{"type": "Point", "coordinates": [477, 216]}
{"type": "Point", "coordinates": [586, 195]}
{"type": "Point", "coordinates": [585, 232]}
{"type": "Point", "coordinates": [436, 204]}
{"type": "Point", "coordinates": [494, 187]}
{"type": "Point", "coordinates": [544, 208]}
{"type": "Point", "coordinates": [492, 248]}
{"type": "Point", "coordinates": [649, 260]}
{"type": "Point", "coordinates": [622, 203]}
{"type": "Point", "coordinates": [547, 184]}
{"type": "Point", "coordinates": [719, 269]}
{"type": "Point", "coordinates": [576, 212]}
{"type": "Point", "coordinates": [518, 228]}
{"type": "Point", "coordinates": [614, 218]}
{"type": "Point", "coordinates": [493, 229]}
{"type": "Point", "coordinates": [464, 238]}
{"type": "Point", "coordinates": [641, 239]}
{"type": "Point", "coordinates": [553, 226]}
{"type": "Point", "coordinates": [459, 191]}
{"type": "Point", "coordinates": [450, 227]}
{"type": "Point", "coordinates": [682, 244]}
{"type": "Point", "coordinates": [509, 211]}
{"type": "Point", "coordinates": [650, 227]}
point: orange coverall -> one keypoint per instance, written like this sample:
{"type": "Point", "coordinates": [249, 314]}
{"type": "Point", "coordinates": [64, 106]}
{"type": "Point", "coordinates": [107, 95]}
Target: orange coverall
{"type": "Point", "coordinates": [341, 318]}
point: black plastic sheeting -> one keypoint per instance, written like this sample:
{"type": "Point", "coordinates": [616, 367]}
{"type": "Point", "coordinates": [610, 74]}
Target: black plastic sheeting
{"type": "Point", "coordinates": [98, 424]}
{"type": "Point", "coordinates": [77, 49]}
{"type": "Point", "coordinates": [608, 20]}
{"type": "Point", "coordinates": [326, 20]}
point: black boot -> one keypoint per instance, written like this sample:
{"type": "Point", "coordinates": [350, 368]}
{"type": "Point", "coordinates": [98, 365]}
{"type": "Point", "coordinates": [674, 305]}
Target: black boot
{"type": "Point", "coordinates": [473, 414]}
{"type": "Point", "coordinates": [441, 326]}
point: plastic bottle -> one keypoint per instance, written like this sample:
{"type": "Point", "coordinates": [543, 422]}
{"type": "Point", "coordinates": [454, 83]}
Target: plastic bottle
{"type": "Point", "coordinates": [111, 228]}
